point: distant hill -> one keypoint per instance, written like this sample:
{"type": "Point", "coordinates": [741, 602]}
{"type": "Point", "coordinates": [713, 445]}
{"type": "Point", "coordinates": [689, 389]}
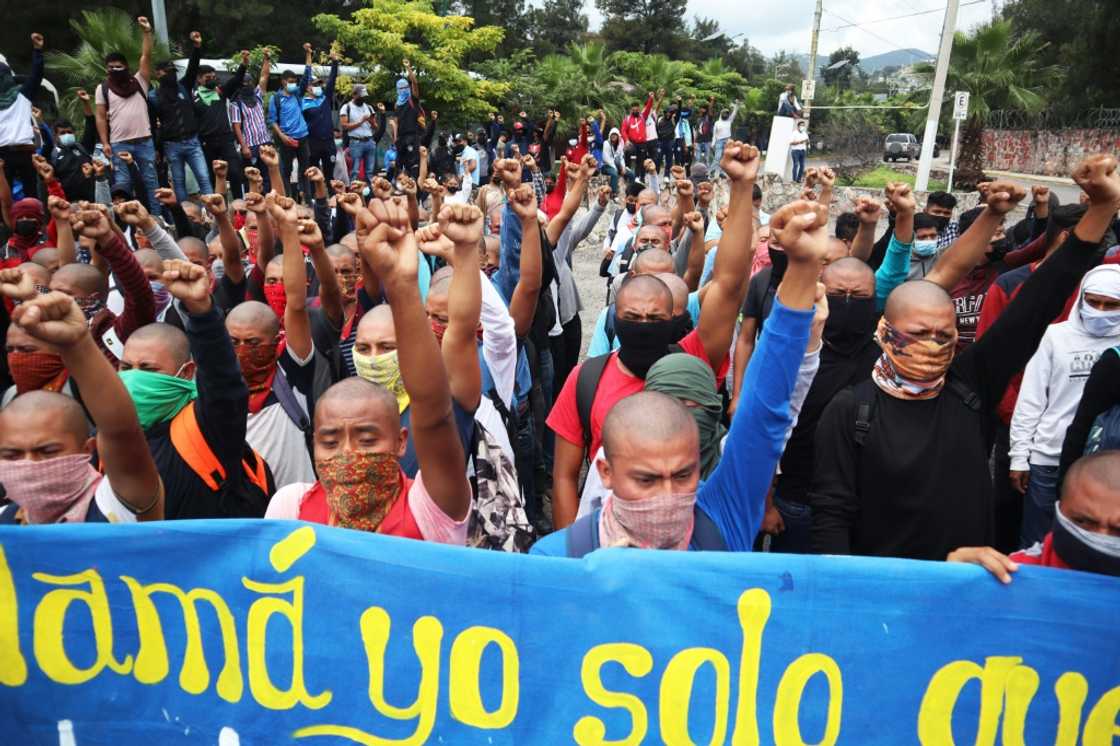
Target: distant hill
{"type": "Point", "coordinates": [898, 57]}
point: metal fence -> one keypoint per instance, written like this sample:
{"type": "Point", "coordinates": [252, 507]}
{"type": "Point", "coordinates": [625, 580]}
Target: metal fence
{"type": "Point", "coordinates": [1010, 119]}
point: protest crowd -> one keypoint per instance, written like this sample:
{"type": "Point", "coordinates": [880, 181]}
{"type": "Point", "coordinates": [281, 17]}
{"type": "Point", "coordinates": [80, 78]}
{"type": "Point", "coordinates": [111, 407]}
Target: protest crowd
{"type": "Point", "coordinates": [308, 326]}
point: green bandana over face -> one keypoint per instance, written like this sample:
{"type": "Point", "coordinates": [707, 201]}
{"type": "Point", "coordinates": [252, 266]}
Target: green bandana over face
{"type": "Point", "coordinates": [158, 397]}
{"type": "Point", "coordinates": [690, 379]}
{"type": "Point", "coordinates": [207, 95]}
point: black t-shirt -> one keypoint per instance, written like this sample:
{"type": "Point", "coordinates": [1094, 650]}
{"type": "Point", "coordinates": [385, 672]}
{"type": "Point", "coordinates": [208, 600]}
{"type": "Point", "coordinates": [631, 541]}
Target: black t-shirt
{"type": "Point", "coordinates": [760, 297]}
{"type": "Point", "coordinates": [410, 119]}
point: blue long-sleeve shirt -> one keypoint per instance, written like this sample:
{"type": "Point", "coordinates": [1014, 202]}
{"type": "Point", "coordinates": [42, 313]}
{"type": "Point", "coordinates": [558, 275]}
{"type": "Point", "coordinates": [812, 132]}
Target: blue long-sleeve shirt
{"type": "Point", "coordinates": [894, 270]}
{"type": "Point", "coordinates": [286, 110]}
{"type": "Point", "coordinates": [318, 110]}
{"type": "Point", "coordinates": [509, 269]}
{"type": "Point", "coordinates": [734, 497]}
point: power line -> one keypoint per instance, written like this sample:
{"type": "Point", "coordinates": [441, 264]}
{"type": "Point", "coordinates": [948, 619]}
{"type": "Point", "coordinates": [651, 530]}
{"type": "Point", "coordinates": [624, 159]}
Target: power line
{"type": "Point", "coordinates": [897, 18]}
{"type": "Point", "coordinates": [853, 24]}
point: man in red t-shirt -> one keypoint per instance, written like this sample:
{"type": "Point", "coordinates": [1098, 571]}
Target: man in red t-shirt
{"type": "Point", "coordinates": [1086, 531]}
{"type": "Point", "coordinates": [357, 429]}
{"type": "Point", "coordinates": [644, 326]}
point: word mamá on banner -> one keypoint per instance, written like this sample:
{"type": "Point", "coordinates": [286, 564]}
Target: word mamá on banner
{"type": "Point", "coordinates": [487, 703]}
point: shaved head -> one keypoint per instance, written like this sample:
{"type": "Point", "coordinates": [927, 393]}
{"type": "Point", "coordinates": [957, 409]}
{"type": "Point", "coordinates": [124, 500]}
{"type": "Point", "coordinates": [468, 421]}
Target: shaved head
{"type": "Point", "coordinates": [150, 262]}
{"type": "Point", "coordinates": [167, 339]}
{"type": "Point", "coordinates": [655, 214]}
{"type": "Point", "coordinates": [39, 274]}
{"type": "Point", "coordinates": [652, 261]}
{"type": "Point", "coordinates": [679, 289]}
{"type": "Point", "coordinates": [354, 392]}
{"type": "Point", "coordinates": [849, 275]}
{"type": "Point", "coordinates": [916, 296]}
{"type": "Point", "coordinates": [648, 417]}
{"type": "Point", "coordinates": [340, 251]}
{"type": "Point", "coordinates": [80, 279]}
{"type": "Point", "coordinates": [1100, 469]}
{"type": "Point", "coordinates": [256, 315]}
{"type": "Point", "coordinates": [638, 289]}
{"type": "Point", "coordinates": [195, 249]}
{"type": "Point", "coordinates": [36, 410]}
{"type": "Point", "coordinates": [47, 258]}
{"type": "Point", "coordinates": [837, 250]}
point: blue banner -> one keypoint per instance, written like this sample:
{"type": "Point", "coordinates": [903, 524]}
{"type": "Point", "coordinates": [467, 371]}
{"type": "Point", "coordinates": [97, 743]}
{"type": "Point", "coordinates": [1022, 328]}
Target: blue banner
{"type": "Point", "coordinates": [273, 632]}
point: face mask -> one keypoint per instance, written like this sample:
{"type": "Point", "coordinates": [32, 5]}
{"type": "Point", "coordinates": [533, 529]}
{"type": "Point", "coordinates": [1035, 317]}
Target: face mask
{"type": "Point", "coordinates": [1099, 323]}
{"type": "Point", "coordinates": [359, 100]}
{"type": "Point", "coordinates": [211, 84]}
{"type": "Point", "coordinates": [27, 227]}
{"type": "Point", "coordinates": [158, 397]}
{"type": "Point", "coordinates": [168, 80]}
{"type": "Point", "coordinates": [119, 75]}
{"type": "Point", "coordinates": [54, 490]}
{"type": "Point", "coordinates": [924, 247]}
{"type": "Point", "coordinates": [850, 323]}
{"type": "Point", "coordinates": [1085, 550]}
{"type": "Point", "coordinates": [277, 299]}
{"type": "Point", "coordinates": [656, 522]}
{"type": "Point", "coordinates": [360, 487]}
{"type": "Point", "coordinates": [384, 370]}
{"type": "Point", "coordinates": [438, 329]}
{"type": "Point", "coordinates": [911, 368]}
{"type": "Point", "coordinates": [67, 140]}
{"type": "Point", "coordinates": [941, 221]}
{"type": "Point", "coordinates": [338, 142]}
{"type": "Point", "coordinates": [162, 296]}
{"type": "Point", "coordinates": [91, 305]}
{"type": "Point", "coordinates": [631, 207]}
{"type": "Point", "coordinates": [35, 371]}
{"type": "Point", "coordinates": [316, 91]}
{"type": "Point", "coordinates": [291, 87]}
{"type": "Point", "coordinates": [643, 343]}
{"type": "Point", "coordinates": [258, 365]}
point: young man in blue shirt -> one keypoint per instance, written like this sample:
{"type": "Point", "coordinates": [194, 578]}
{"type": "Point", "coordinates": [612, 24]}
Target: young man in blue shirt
{"type": "Point", "coordinates": [285, 119]}
{"type": "Point", "coordinates": [652, 446]}
{"type": "Point", "coordinates": [318, 112]}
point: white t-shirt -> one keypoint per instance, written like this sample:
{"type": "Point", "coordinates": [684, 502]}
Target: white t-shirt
{"type": "Point", "coordinates": [355, 113]}
{"type": "Point", "coordinates": [15, 123]}
{"type": "Point", "coordinates": [470, 154]}
{"type": "Point", "coordinates": [800, 139]}
{"type": "Point", "coordinates": [276, 438]}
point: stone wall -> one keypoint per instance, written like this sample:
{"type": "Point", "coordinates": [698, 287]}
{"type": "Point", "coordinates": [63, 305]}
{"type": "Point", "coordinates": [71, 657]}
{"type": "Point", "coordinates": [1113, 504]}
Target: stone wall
{"type": "Point", "coordinates": [777, 192]}
{"type": "Point", "coordinates": [1046, 152]}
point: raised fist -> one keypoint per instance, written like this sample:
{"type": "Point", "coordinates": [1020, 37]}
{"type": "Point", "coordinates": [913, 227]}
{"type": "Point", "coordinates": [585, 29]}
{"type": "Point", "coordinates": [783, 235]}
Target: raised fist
{"type": "Point", "coordinates": [523, 200]}
{"type": "Point", "coordinates": [37, 40]}
{"type": "Point", "coordinates": [1098, 178]}
{"type": "Point", "coordinates": [17, 284]}
{"type": "Point", "coordinates": [801, 230]}
{"type": "Point", "coordinates": [740, 161]}
{"type": "Point", "coordinates": [462, 225]}
{"type": "Point", "coordinates": [901, 197]}
{"type": "Point", "coordinates": [196, 38]}
{"type": "Point", "coordinates": [221, 169]}
{"type": "Point", "coordinates": [1003, 196]}
{"type": "Point", "coordinates": [53, 318]}
{"type": "Point", "coordinates": [215, 204]}
{"type": "Point", "coordinates": [144, 24]}
{"type": "Point", "coordinates": [268, 156]}
{"type": "Point", "coordinates": [187, 282]}
{"type": "Point", "coordinates": [868, 210]}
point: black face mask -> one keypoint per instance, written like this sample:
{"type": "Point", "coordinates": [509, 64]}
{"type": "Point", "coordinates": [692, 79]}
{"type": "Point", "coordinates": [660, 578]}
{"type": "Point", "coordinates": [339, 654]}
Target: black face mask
{"type": "Point", "coordinates": [359, 100]}
{"type": "Point", "coordinates": [850, 324]}
{"type": "Point", "coordinates": [779, 261]}
{"type": "Point", "coordinates": [119, 76]}
{"type": "Point", "coordinates": [631, 207]}
{"type": "Point", "coordinates": [683, 325]}
{"type": "Point", "coordinates": [168, 80]}
{"type": "Point", "coordinates": [941, 221]}
{"type": "Point", "coordinates": [26, 227]}
{"type": "Point", "coordinates": [643, 343]}
{"type": "Point", "coordinates": [1079, 555]}
{"type": "Point", "coordinates": [211, 84]}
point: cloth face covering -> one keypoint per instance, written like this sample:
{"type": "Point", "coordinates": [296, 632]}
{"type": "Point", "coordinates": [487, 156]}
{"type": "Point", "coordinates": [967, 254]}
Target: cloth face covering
{"type": "Point", "coordinates": [360, 487]}
{"type": "Point", "coordinates": [850, 324]}
{"type": "Point", "coordinates": [643, 343]}
{"type": "Point", "coordinates": [689, 378]}
{"type": "Point", "coordinates": [911, 368]}
{"type": "Point", "coordinates": [657, 522]}
{"type": "Point", "coordinates": [54, 490]}
{"type": "Point", "coordinates": [258, 363]}
{"type": "Point", "coordinates": [1085, 550]}
{"type": "Point", "coordinates": [384, 370]}
{"type": "Point", "coordinates": [158, 397]}
{"type": "Point", "coordinates": [1103, 280]}
{"type": "Point", "coordinates": [277, 299]}
{"type": "Point", "coordinates": [404, 91]}
{"type": "Point", "coordinates": [35, 371]}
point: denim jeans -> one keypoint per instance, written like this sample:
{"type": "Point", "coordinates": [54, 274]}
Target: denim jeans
{"type": "Point", "coordinates": [798, 164]}
{"type": "Point", "coordinates": [611, 173]}
{"type": "Point", "coordinates": [254, 160]}
{"type": "Point", "coordinates": [181, 153]}
{"type": "Point", "coordinates": [144, 155]}
{"type": "Point", "coordinates": [363, 152]}
{"type": "Point", "coordinates": [1038, 504]}
{"type": "Point", "coordinates": [704, 153]}
{"type": "Point", "coordinates": [798, 519]}
{"type": "Point", "coordinates": [716, 157]}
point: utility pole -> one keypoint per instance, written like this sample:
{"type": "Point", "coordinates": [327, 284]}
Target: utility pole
{"type": "Point", "coordinates": [159, 21]}
{"type": "Point", "coordinates": [813, 57]}
{"type": "Point", "coordinates": [935, 96]}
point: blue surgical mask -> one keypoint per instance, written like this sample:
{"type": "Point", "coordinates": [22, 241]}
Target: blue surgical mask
{"type": "Point", "coordinates": [316, 90]}
{"type": "Point", "coordinates": [1100, 323]}
{"type": "Point", "coordinates": [291, 87]}
{"type": "Point", "coordinates": [338, 142]}
{"type": "Point", "coordinates": [925, 247]}
{"type": "Point", "coordinates": [67, 140]}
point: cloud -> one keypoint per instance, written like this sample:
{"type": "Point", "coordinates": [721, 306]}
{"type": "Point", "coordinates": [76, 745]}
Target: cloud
{"type": "Point", "coordinates": [787, 24]}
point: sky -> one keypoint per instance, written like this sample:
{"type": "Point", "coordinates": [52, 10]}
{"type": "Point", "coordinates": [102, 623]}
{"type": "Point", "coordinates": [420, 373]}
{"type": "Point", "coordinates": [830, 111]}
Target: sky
{"type": "Point", "coordinates": [775, 25]}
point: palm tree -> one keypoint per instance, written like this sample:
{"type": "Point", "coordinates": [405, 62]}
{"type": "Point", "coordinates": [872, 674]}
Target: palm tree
{"type": "Point", "coordinates": [101, 32]}
{"type": "Point", "coordinates": [999, 67]}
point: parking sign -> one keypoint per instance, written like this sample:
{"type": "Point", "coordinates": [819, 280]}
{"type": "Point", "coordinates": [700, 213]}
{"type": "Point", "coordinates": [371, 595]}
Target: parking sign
{"type": "Point", "coordinates": [960, 105]}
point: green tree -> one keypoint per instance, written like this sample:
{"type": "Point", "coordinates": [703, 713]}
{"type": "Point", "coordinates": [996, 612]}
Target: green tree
{"type": "Point", "coordinates": [383, 36]}
{"type": "Point", "coordinates": [648, 26]}
{"type": "Point", "coordinates": [841, 77]}
{"type": "Point", "coordinates": [99, 32]}
{"type": "Point", "coordinates": [555, 25]}
{"type": "Point", "coordinates": [1001, 69]}
{"type": "Point", "coordinates": [506, 14]}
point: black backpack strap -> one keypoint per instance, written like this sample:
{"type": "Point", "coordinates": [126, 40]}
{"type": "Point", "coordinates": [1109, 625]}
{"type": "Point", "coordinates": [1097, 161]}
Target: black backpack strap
{"type": "Point", "coordinates": [287, 400]}
{"type": "Point", "coordinates": [608, 326]}
{"type": "Point", "coordinates": [590, 373]}
{"type": "Point", "coordinates": [580, 539]}
{"type": "Point", "coordinates": [970, 398]}
{"type": "Point", "coordinates": [705, 533]}
{"type": "Point", "coordinates": [865, 410]}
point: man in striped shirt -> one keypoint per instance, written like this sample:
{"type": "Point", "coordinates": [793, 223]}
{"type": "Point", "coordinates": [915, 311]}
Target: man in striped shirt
{"type": "Point", "coordinates": [246, 116]}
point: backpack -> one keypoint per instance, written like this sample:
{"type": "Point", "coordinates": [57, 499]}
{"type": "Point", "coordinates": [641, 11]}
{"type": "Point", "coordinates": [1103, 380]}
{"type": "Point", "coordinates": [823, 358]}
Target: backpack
{"type": "Point", "coordinates": [1104, 435]}
{"type": "Point", "coordinates": [583, 535]}
{"type": "Point", "coordinates": [587, 384]}
{"type": "Point", "coordinates": [865, 410]}
{"type": "Point", "coordinates": [497, 519]}
{"type": "Point", "coordinates": [250, 494]}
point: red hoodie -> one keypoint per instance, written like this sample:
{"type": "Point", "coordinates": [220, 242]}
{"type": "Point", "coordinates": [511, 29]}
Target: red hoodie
{"type": "Point", "coordinates": [634, 125]}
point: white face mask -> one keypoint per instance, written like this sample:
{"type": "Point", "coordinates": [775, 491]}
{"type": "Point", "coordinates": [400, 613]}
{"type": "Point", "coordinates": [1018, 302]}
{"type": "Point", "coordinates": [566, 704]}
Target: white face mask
{"type": "Point", "coordinates": [316, 90]}
{"type": "Point", "coordinates": [925, 246]}
{"type": "Point", "coordinates": [1099, 323]}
